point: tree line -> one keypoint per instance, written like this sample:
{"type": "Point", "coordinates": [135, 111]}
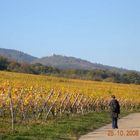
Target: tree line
{"type": "Point", "coordinates": [130, 77]}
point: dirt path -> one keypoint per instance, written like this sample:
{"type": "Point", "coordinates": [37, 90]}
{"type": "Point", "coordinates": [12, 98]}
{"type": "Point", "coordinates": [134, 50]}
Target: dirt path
{"type": "Point", "coordinates": [129, 129]}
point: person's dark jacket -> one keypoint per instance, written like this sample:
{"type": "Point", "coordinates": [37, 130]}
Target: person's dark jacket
{"type": "Point", "coordinates": [114, 108]}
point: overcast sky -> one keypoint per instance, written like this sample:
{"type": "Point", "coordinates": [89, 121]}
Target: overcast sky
{"type": "Point", "coordinates": [102, 31]}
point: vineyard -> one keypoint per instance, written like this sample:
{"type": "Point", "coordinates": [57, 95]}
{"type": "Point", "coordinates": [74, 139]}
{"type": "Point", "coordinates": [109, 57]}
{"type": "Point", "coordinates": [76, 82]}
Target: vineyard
{"type": "Point", "coordinates": [25, 97]}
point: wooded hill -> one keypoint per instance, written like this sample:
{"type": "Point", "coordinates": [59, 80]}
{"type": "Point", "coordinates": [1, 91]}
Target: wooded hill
{"type": "Point", "coordinates": [58, 61]}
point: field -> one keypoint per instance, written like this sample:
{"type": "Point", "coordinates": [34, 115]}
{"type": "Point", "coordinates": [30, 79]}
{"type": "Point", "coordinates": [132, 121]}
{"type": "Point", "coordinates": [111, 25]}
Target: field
{"type": "Point", "coordinates": [27, 98]}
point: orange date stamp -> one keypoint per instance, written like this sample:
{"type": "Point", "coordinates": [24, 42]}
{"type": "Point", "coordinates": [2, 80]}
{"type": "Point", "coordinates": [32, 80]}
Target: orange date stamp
{"type": "Point", "coordinates": [119, 132]}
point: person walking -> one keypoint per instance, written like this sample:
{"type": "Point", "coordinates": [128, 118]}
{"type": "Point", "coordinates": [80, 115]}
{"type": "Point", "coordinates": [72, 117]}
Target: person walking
{"type": "Point", "coordinates": [115, 111]}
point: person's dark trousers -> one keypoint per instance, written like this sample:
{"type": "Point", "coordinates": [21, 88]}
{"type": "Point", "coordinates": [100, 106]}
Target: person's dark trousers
{"type": "Point", "coordinates": [114, 122]}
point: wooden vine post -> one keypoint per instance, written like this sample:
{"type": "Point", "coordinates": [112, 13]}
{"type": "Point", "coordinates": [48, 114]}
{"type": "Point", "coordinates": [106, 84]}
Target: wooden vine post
{"type": "Point", "coordinates": [11, 109]}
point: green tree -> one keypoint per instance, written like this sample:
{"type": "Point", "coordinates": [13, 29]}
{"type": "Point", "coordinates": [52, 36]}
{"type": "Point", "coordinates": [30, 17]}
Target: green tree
{"type": "Point", "coordinates": [3, 63]}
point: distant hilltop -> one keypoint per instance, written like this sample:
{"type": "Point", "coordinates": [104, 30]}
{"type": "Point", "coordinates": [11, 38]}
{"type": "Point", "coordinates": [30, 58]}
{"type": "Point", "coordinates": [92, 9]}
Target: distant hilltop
{"type": "Point", "coordinates": [58, 61]}
{"type": "Point", "coordinates": [17, 55]}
